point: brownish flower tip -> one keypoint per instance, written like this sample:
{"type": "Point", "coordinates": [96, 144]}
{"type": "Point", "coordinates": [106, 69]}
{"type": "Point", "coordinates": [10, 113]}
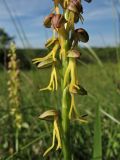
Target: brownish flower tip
{"type": "Point", "coordinates": [57, 1]}
{"type": "Point", "coordinates": [73, 53]}
{"type": "Point", "coordinates": [75, 6]}
{"type": "Point", "coordinates": [78, 5]}
{"type": "Point", "coordinates": [82, 35]}
{"type": "Point", "coordinates": [80, 91]}
{"type": "Point", "coordinates": [47, 21]}
{"type": "Point", "coordinates": [88, 1]}
{"type": "Point", "coordinates": [57, 21]}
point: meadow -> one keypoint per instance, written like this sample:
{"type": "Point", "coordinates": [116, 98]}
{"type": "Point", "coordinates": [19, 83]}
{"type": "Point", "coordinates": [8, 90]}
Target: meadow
{"type": "Point", "coordinates": [102, 82]}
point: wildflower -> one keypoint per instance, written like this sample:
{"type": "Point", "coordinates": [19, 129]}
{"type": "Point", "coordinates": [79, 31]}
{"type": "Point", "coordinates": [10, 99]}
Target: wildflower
{"type": "Point", "coordinates": [14, 87]}
{"type": "Point", "coordinates": [54, 20]}
{"type": "Point", "coordinates": [79, 34]}
{"type": "Point", "coordinates": [71, 69]}
{"type": "Point", "coordinates": [75, 89]}
{"type": "Point", "coordinates": [58, 21]}
{"type": "Point", "coordinates": [47, 21]}
{"type": "Point", "coordinates": [46, 61]}
{"type": "Point", "coordinates": [53, 84]}
{"type": "Point", "coordinates": [51, 54]}
{"type": "Point", "coordinates": [82, 35]}
{"type": "Point", "coordinates": [75, 6]}
{"type": "Point", "coordinates": [65, 40]}
{"type": "Point", "coordinates": [52, 115]}
{"type": "Point", "coordinates": [75, 10]}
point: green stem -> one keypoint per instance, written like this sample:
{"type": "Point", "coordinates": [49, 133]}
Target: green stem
{"type": "Point", "coordinates": [66, 99]}
{"type": "Point", "coordinates": [66, 125]}
{"type": "Point", "coordinates": [16, 140]}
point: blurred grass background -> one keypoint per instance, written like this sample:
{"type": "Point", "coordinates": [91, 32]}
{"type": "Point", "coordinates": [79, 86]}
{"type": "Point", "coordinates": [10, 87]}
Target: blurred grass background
{"type": "Point", "coordinates": [103, 89]}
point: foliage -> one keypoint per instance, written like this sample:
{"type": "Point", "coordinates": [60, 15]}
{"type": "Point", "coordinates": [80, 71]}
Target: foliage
{"type": "Point", "coordinates": [5, 39]}
{"type": "Point", "coordinates": [34, 137]}
{"type": "Point", "coordinates": [25, 56]}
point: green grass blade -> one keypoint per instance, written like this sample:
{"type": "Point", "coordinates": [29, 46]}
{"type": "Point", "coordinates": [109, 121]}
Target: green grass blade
{"type": "Point", "coordinates": [27, 145]}
{"type": "Point", "coordinates": [94, 55]}
{"type": "Point", "coordinates": [109, 116]}
{"type": "Point", "coordinates": [97, 150]}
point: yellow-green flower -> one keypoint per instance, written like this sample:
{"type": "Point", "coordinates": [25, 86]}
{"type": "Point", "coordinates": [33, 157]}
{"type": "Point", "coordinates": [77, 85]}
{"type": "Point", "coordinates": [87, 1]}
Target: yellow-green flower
{"type": "Point", "coordinates": [52, 115]}
{"type": "Point", "coordinates": [50, 59]}
{"type": "Point", "coordinates": [53, 84]}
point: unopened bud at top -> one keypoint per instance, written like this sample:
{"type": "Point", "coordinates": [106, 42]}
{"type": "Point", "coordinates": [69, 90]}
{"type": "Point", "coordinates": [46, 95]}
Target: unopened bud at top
{"type": "Point", "coordinates": [75, 6]}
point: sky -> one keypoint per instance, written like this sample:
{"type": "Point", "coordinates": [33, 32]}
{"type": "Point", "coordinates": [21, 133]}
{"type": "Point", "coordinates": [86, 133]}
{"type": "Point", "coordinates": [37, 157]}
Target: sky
{"type": "Point", "coordinates": [26, 21]}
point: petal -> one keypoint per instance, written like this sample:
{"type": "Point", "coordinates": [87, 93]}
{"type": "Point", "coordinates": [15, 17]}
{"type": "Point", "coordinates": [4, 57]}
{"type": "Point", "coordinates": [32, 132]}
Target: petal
{"type": "Point", "coordinates": [52, 146]}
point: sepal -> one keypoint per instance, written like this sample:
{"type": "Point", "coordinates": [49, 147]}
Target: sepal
{"type": "Point", "coordinates": [73, 54]}
{"type": "Point", "coordinates": [48, 115]}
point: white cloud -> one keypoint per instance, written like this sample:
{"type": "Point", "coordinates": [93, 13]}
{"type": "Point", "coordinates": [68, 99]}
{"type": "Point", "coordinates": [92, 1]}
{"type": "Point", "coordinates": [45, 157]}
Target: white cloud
{"type": "Point", "coordinates": [31, 14]}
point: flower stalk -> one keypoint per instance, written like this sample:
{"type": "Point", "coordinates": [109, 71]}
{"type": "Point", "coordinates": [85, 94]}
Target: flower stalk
{"type": "Point", "coordinates": [14, 93]}
{"type": "Point", "coordinates": [63, 48]}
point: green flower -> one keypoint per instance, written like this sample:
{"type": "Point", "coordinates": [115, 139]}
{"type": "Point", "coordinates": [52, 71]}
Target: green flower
{"type": "Point", "coordinates": [47, 61]}
{"type": "Point", "coordinates": [53, 84]}
{"type": "Point", "coordinates": [52, 115]}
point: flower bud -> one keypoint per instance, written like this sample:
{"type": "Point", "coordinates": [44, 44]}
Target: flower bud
{"type": "Point", "coordinates": [82, 35]}
{"type": "Point", "coordinates": [75, 7]}
{"type": "Point", "coordinates": [88, 1]}
{"type": "Point", "coordinates": [47, 21]}
{"type": "Point", "coordinates": [57, 21]}
{"type": "Point", "coordinates": [49, 115]}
